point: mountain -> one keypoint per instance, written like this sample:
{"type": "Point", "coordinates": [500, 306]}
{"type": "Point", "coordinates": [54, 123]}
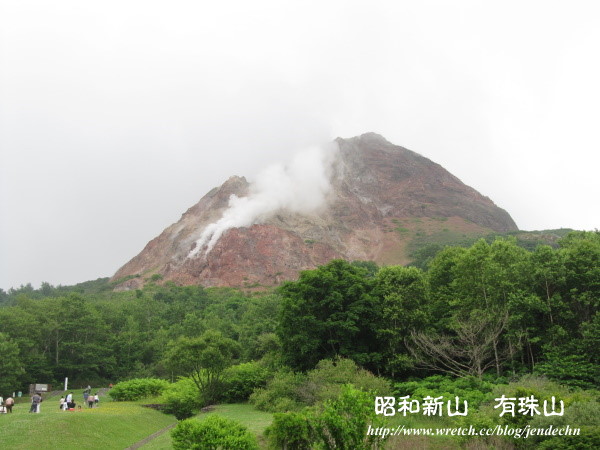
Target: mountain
{"type": "Point", "coordinates": [379, 199]}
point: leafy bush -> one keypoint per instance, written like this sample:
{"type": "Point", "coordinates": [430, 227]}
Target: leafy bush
{"type": "Point", "coordinates": [138, 388]}
{"type": "Point", "coordinates": [471, 389]}
{"type": "Point", "coordinates": [182, 399]}
{"type": "Point", "coordinates": [288, 391]}
{"type": "Point", "coordinates": [214, 432]}
{"type": "Point", "coordinates": [341, 423]}
{"type": "Point", "coordinates": [290, 430]}
{"type": "Point", "coordinates": [280, 394]}
{"type": "Point", "coordinates": [331, 375]}
{"type": "Point", "coordinates": [242, 379]}
{"type": "Point", "coordinates": [581, 409]}
{"type": "Point", "coordinates": [589, 439]}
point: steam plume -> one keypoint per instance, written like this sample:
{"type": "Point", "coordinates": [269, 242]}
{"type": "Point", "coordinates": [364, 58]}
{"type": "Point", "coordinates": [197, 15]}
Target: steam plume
{"type": "Point", "coordinates": [299, 187]}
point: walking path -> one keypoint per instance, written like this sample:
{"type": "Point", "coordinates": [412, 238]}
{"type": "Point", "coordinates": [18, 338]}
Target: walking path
{"type": "Point", "coordinates": [149, 438]}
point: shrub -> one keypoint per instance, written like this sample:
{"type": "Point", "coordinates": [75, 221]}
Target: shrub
{"type": "Point", "coordinates": [290, 430]}
{"type": "Point", "coordinates": [138, 388]}
{"type": "Point", "coordinates": [288, 391]}
{"type": "Point", "coordinates": [581, 409]}
{"type": "Point", "coordinates": [280, 394]}
{"type": "Point", "coordinates": [469, 389]}
{"type": "Point", "coordinates": [589, 439]}
{"type": "Point", "coordinates": [331, 375]}
{"type": "Point", "coordinates": [242, 379]}
{"type": "Point", "coordinates": [343, 423]}
{"type": "Point", "coordinates": [214, 432]}
{"type": "Point", "coordinates": [181, 399]}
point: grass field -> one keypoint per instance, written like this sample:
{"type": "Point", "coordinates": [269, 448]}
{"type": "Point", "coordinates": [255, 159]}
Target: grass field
{"type": "Point", "coordinates": [113, 425]}
{"type": "Point", "coordinates": [256, 421]}
{"type": "Point", "coordinates": [118, 425]}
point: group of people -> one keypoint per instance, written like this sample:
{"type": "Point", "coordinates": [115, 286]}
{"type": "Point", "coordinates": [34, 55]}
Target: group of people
{"type": "Point", "coordinates": [6, 406]}
{"type": "Point", "coordinates": [91, 400]}
{"type": "Point", "coordinates": [68, 403]}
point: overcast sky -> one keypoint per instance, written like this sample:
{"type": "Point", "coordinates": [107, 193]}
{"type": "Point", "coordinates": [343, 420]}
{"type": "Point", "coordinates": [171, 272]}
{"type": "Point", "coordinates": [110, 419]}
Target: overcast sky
{"type": "Point", "coordinates": [117, 116]}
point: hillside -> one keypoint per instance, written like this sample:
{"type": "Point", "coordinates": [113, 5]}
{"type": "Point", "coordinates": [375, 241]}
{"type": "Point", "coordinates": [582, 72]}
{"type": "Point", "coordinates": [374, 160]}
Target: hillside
{"type": "Point", "coordinates": [380, 198]}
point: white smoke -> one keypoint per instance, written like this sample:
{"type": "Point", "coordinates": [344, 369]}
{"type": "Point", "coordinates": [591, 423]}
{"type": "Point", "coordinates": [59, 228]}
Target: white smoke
{"type": "Point", "coordinates": [299, 187]}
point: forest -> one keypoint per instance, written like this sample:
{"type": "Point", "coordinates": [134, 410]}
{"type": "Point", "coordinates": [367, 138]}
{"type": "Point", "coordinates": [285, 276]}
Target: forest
{"type": "Point", "coordinates": [469, 320]}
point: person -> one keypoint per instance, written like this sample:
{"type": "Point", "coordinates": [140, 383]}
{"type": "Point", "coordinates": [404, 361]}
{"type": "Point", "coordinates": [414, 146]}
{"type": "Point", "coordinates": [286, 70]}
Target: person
{"type": "Point", "coordinates": [96, 399]}
{"type": "Point", "coordinates": [91, 401]}
{"type": "Point", "coordinates": [70, 398]}
{"type": "Point", "coordinates": [1, 400]}
{"type": "Point", "coordinates": [36, 399]}
{"type": "Point", "coordinates": [86, 394]}
{"type": "Point", "coordinates": [62, 403]}
{"type": "Point", "coordinates": [9, 404]}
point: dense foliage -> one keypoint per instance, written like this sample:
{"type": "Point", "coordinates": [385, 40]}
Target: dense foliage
{"type": "Point", "coordinates": [181, 399]}
{"type": "Point", "coordinates": [137, 389]}
{"type": "Point", "coordinates": [289, 391]}
{"type": "Point", "coordinates": [464, 322]}
{"type": "Point", "coordinates": [339, 423]}
{"type": "Point", "coordinates": [214, 432]}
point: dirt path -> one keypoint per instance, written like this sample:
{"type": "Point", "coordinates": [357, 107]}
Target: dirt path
{"type": "Point", "coordinates": [149, 438]}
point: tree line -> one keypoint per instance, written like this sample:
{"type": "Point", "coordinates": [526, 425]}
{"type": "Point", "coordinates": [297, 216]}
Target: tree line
{"type": "Point", "coordinates": [492, 308]}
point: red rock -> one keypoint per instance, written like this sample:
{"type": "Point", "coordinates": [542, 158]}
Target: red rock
{"type": "Point", "coordinates": [377, 188]}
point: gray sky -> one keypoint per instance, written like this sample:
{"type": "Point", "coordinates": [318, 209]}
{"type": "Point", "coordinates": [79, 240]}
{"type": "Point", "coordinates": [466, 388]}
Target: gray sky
{"type": "Point", "coordinates": [116, 116]}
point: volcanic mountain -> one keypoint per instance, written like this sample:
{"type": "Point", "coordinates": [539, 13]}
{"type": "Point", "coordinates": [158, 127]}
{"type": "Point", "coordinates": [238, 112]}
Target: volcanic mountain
{"type": "Point", "coordinates": [379, 198]}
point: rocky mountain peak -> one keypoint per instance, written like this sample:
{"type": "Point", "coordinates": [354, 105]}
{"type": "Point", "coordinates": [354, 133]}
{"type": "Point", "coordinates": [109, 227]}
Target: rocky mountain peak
{"type": "Point", "coordinates": [376, 196]}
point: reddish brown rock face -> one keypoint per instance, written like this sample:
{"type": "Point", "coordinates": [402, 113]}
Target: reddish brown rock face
{"type": "Point", "coordinates": [381, 196]}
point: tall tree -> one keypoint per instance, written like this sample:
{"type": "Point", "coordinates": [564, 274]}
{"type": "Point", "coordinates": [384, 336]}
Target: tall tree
{"type": "Point", "coordinates": [11, 367]}
{"type": "Point", "coordinates": [402, 299]}
{"type": "Point", "coordinates": [328, 312]}
{"type": "Point", "coordinates": [203, 359]}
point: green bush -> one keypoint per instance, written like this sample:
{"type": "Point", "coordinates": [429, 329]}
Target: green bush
{"type": "Point", "coordinates": [214, 432]}
{"type": "Point", "coordinates": [288, 391]}
{"type": "Point", "coordinates": [182, 399]}
{"type": "Point", "coordinates": [242, 379]}
{"type": "Point", "coordinates": [290, 430]}
{"type": "Point", "coordinates": [581, 409]}
{"type": "Point", "coordinates": [588, 440]}
{"type": "Point", "coordinates": [280, 394]}
{"type": "Point", "coordinates": [138, 388]}
{"type": "Point", "coordinates": [341, 423]}
{"type": "Point", "coordinates": [471, 389]}
{"type": "Point", "coordinates": [330, 375]}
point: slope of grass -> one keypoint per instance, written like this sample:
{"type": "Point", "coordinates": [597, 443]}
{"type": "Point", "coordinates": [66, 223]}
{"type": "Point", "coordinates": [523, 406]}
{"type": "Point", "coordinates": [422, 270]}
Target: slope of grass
{"type": "Point", "coordinates": [113, 425]}
{"type": "Point", "coordinates": [246, 414]}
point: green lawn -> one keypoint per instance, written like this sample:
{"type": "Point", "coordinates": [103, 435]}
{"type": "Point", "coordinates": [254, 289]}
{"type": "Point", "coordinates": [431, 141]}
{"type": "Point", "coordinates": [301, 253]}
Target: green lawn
{"type": "Point", "coordinates": [255, 420]}
{"type": "Point", "coordinates": [113, 425]}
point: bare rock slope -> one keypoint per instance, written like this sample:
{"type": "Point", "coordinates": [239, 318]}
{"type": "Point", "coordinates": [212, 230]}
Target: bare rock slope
{"type": "Point", "coordinates": [381, 197]}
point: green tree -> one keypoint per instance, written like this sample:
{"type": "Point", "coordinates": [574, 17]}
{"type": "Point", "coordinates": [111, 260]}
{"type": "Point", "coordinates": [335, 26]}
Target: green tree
{"type": "Point", "coordinates": [328, 312]}
{"type": "Point", "coordinates": [10, 365]}
{"type": "Point", "coordinates": [181, 399]}
{"type": "Point", "coordinates": [402, 295]}
{"type": "Point", "coordinates": [203, 359]}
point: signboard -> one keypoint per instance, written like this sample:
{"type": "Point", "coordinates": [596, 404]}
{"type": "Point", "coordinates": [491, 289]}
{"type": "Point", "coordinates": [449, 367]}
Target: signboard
{"type": "Point", "coordinates": [39, 388]}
